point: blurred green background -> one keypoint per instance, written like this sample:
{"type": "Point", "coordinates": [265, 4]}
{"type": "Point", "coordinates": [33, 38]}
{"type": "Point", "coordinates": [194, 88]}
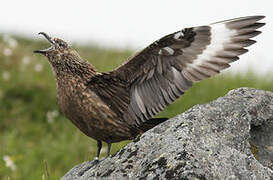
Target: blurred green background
{"type": "Point", "coordinates": [36, 141]}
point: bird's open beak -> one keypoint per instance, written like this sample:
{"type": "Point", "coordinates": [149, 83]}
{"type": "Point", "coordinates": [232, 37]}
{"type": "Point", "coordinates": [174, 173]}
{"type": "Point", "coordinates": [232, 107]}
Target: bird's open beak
{"type": "Point", "coordinates": [44, 51]}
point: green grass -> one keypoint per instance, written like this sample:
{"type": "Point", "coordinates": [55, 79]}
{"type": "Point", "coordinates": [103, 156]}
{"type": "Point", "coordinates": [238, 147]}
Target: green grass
{"type": "Point", "coordinates": [44, 148]}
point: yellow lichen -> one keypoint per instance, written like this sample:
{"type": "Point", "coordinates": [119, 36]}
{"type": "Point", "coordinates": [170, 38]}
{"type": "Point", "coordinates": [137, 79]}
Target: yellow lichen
{"type": "Point", "coordinates": [254, 149]}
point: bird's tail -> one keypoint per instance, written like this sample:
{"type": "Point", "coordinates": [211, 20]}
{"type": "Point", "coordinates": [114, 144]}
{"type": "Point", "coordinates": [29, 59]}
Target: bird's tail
{"type": "Point", "coordinates": [151, 123]}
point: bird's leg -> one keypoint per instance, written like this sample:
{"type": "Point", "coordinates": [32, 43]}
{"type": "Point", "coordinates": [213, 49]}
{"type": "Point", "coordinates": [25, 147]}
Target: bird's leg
{"type": "Point", "coordinates": [108, 148]}
{"type": "Point", "coordinates": [99, 145]}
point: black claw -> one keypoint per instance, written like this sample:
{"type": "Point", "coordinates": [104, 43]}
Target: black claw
{"type": "Point", "coordinates": [95, 161]}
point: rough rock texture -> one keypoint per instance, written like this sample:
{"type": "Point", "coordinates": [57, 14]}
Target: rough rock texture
{"type": "Point", "coordinates": [210, 141]}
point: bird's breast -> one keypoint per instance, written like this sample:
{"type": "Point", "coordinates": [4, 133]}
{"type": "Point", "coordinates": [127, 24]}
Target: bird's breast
{"type": "Point", "coordinates": [89, 113]}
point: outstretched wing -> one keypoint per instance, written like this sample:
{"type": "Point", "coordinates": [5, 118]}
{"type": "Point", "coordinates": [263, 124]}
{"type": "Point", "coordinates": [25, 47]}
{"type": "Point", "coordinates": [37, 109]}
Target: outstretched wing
{"type": "Point", "coordinates": [163, 71]}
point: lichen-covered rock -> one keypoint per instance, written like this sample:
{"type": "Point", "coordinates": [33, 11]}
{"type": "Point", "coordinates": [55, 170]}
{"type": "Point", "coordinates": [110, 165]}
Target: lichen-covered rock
{"type": "Point", "coordinates": [211, 141]}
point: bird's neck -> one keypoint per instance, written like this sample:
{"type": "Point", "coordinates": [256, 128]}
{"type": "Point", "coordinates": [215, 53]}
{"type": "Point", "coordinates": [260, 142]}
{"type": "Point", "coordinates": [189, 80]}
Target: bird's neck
{"type": "Point", "coordinates": [69, 69]}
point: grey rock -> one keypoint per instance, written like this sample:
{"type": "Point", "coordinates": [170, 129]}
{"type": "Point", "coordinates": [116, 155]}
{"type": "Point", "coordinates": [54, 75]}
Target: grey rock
{"type": "Point", "coordinates": [210, 141]}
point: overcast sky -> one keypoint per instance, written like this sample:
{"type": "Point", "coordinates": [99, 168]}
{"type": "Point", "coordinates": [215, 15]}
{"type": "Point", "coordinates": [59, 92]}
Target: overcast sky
{"type": "Point", "coordinates": [135, 24]}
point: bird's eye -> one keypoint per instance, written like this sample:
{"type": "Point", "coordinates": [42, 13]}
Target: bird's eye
{"type": "Point", "coordinates": [61, 44]}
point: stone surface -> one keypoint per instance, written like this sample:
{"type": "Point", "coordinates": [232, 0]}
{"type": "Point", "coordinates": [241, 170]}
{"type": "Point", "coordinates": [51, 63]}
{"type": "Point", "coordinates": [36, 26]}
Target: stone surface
{"type": "Point", "coordinates": [210, 141]}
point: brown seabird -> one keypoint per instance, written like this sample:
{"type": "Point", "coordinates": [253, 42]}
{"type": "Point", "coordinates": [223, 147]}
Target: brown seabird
{"type": "Point", "coordinates": [120, 104]}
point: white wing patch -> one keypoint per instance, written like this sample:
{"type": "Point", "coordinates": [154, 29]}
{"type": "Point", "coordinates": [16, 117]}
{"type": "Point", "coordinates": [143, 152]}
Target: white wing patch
{"type": "Point", "coordinates": [228, 40]}
{"type": "Point", "coordinates": [178, 35]}
{"type": "Point", "coordinates": [220, 35]}
{"type": "Point", "coordinates": [169, 50]}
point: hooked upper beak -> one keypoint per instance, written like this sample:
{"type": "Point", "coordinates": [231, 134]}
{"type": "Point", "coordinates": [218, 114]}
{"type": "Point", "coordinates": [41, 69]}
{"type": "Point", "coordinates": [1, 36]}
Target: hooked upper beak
{"type": "Point", "coordinates": [44, 51]}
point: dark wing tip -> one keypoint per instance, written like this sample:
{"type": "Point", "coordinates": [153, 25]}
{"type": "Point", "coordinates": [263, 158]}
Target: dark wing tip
{"type": "Point", "coordinates": [257, 17]}
{"type": "Point", "coordinates": [246, 18]}
{"type": "Point", "coordinates": [260, 25]}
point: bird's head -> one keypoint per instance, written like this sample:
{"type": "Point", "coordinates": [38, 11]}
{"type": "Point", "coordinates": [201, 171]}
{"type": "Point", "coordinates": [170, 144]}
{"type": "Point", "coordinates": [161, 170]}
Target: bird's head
{"type": "Point", "coordinates": [59, 50]}
{"type": "Point", "coordinates": [64, 59]}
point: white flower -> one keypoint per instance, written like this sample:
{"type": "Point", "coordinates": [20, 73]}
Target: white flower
{"type": "Point", "coordinates": [7, 51]}
{"type": "Point", "coordinates": [10, 41]}
{"type": "Point", "coordinates": [6, 75]}
{"type": "Point", "coordinates": [38, 67]}
{"type": "Point", "coordinates": [9, 162]}
{"type": "Point", "coordinates": [26, 60]}
{"type": "Point", "coordinates": [51, 115]}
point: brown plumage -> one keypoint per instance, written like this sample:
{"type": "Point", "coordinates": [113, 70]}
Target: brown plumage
{"type": "Point", "coordinates": [119, 105]}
